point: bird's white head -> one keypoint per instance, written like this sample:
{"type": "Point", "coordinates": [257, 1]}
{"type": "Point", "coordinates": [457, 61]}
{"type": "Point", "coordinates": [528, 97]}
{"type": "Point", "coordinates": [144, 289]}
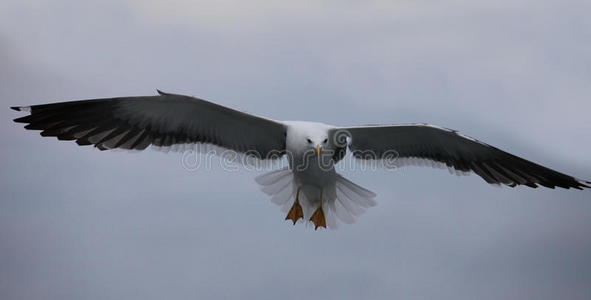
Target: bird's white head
{"type": "Point", "coordinates": [306, 136]}
{"type": "Point", "coordinates": [317, 142]}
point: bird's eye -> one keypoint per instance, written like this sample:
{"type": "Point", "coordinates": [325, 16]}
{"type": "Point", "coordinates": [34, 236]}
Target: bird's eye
{"type": "Point", "coordinates": [325, 140]}
{"type": "Point", "coordinates": [309, 141]}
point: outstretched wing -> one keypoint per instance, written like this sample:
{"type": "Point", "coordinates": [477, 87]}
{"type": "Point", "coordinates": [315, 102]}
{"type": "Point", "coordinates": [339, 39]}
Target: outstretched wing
{"type": "Point", "coordinates": [165, 120]}
{"type": "Point", "coordinates": [398, 143]}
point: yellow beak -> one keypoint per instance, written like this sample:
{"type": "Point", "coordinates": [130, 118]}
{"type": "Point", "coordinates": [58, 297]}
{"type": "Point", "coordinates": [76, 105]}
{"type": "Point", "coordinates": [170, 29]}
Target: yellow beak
{"type": "Point", "coordinates": [318, 148]}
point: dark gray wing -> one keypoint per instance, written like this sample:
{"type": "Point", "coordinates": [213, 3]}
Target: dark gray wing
{"type": "Point", "coordinates": [457, 151]}
{"type": "Point", "coordinates": [163, 120]}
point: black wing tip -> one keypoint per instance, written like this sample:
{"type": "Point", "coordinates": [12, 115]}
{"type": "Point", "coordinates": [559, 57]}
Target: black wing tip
{"type": "Point", "coordinates": [578, 184]}
{"type": "Point", "coordinates": [21, 108]}
{"type": "Point", "coordinates": [575, 184]}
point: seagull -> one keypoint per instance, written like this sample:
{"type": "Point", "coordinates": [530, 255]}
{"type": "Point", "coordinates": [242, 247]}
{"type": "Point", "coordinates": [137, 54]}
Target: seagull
{"type": "Point", "coordinates": [308, 189]}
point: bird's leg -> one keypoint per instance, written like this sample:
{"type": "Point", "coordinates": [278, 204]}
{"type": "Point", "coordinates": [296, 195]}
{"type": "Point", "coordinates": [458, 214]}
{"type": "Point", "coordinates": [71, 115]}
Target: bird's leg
{"type": "Point", "coordinates": [318, 217]}
{"type": "Point", "coordinates": [296, 212]}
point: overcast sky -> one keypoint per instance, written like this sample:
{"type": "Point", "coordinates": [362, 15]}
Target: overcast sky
{"type": "Point", "coordinates": [77, 223]}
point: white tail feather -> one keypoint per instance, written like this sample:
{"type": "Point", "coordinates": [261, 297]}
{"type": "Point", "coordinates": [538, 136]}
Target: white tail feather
{"type": "Point", "coordinates": [342, 200]}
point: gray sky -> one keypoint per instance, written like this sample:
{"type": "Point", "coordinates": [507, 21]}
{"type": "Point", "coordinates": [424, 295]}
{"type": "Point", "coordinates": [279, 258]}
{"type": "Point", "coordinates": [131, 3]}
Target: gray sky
{"type": "Point", "coordinates": [76, 223]}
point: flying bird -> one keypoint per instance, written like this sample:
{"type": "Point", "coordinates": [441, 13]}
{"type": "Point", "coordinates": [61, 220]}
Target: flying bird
{"type": "Point", "coordinates": [308, 188]}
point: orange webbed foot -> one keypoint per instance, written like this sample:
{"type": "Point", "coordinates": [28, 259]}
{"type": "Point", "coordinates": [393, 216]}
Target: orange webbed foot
{"type": "Point", "coordinates": [295, 213]}
{"type": "Point", "coordinates": [318, 218]}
